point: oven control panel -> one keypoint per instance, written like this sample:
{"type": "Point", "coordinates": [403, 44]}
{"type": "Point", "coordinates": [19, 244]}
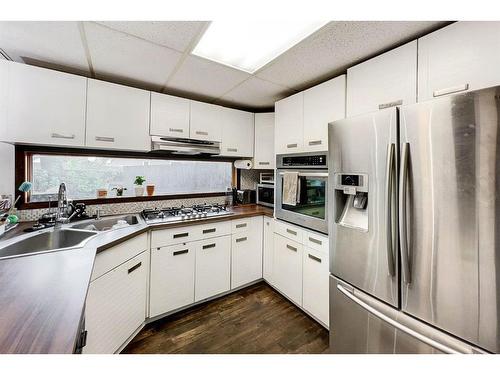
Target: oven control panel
{"type": "Point", "coordinates": [317, 160]}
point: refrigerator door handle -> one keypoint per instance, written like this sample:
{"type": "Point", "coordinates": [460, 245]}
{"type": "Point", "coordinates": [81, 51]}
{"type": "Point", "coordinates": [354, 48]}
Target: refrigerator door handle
{"type": "Point", "coordinates": [426, 340]}
{"type": "Point", "coordinates": [403, 235]}
{"type": "Point", "coordinates": [388, 208]}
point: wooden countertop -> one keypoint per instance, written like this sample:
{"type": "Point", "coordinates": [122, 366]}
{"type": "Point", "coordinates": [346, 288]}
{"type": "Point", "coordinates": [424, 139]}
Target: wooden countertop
{"type": "Point", "coordinates": [42, 297]}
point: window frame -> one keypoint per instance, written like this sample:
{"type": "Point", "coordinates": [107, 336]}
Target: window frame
{"type": "Point", "coordinates": [24, 170]}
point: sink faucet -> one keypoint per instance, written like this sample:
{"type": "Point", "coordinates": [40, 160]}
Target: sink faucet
{"type": "Point", "coordinates": [62, 207]}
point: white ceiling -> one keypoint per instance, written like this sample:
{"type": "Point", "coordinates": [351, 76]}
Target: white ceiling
{"type": "Point", "coordinates": [156, 56]}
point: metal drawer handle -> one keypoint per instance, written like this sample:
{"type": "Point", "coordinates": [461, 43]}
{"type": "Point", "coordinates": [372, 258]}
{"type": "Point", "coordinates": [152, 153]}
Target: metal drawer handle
{"type": "Point", "coordinates": [179, 235]}
{"type": "Point", "coordinates": [291, 247]}
{"type": "Point", "coordinates": [208, 246]}
{"type": "Point", "coordinates": [201, 133]}
{"type": "Point", "coordinates": [291, 232]}
{"type": "Point", "coordinates": [264, 163]}
{"type": "Point", "coordinates": [180, 252]}
{"type": "Point", "coordinates": [390, 104]}
{"type": "Point", "coordinates": [314, 258]}
{"type": "Point", "coordinates": [243, 225]}
{"type": "Point", "coordinates": [176, 130]}
{"type": "Point", "coordinates": [130, 270]}
{"type": "Point", "coordinates": [315, 143]}
{"type": "Point", "coordinates": [314, 240]}
{"type": "Point", "coordinates": [291, 145]}
{"type": "Point", "coordinates": [62, 136]}
{"type": "Point", "coordinates": [232, 149]}
{"type": "Point", "coordinates": [211, 230]}
{"type": "Point", "coordinates": [451, 90]}
{"type": "Point", "coordinates": [105, 139]}
{"type": "Point", "coordinates": [241, 239]}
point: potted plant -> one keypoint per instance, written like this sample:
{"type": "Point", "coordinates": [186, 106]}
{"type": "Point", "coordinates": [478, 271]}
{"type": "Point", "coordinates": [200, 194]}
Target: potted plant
{"type": "Point", "coordinates": [139, 189]}
{"type": "Point", "coordinates": [119, 191]}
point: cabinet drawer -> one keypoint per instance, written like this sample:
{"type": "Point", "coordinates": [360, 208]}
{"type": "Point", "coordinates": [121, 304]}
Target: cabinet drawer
{"type": "Point", "coordinates": [108, 259]}
{"type": "Point", "coordinates": [210, 230]}
{"type": "Point", "coordinates": [172, 278]}
{"type": "Point", "coordinates": [172, 236]}
{"type": "Point", "coordinates": [247, 224]}
{"type": "Point", "coordinates": [289, 231]}
{"type": "Point", "coordinates": [316, 241]}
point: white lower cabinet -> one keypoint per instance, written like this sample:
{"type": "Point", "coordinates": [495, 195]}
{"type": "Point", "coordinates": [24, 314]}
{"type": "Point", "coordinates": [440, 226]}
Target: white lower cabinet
{"type": "Point", "coordinates": [315, 296]}
{"type": "Point", "coordinates": [288, 267]}
{"type": "Point", "coordinates": [268, 250]}
{"type": "Point", "coordinates": [172, 278]}
{"type": "Point", "coordinates": [246, 253]}
{"type": "Point", "coordinates": [213, 267]}
{"type": "Point", "coordinates": [116, 305]}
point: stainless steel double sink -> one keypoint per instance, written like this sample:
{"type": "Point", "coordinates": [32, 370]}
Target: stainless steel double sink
{"type": "Point", "coordinates": [65, 238]}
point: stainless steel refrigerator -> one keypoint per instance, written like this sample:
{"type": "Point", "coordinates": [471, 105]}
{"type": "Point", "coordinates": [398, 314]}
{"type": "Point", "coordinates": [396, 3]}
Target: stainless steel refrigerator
{"type": "Point", "coordinates": [414, 223]}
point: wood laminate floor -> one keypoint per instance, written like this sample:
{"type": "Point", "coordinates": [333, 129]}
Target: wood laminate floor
{"type": "Point", "coordinates": [256, 320]}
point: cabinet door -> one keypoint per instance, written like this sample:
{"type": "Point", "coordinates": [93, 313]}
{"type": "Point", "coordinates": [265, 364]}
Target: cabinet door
{"type": "Point", "coordinates": [246, 255]}
{"type": "Point", "coordinates": [172, 278]}
{"type": "Point", "coordinates": [289, 124]}
{"type": "Point", "coordinates": [322, 104]}
{"type": "Point", "coordinates": [213, 267]}
{"type": "Point", "coordinates": [462, 56]}
{"type": "Point", "coordinates": [264, 141]}
{"type": "Point", "coordinates": [116, 305]}
{"type": "Point", "coordinates": [205, 122]}
{"type": "Point", "coordinates": [288, 267]}
{"type": "Point", "coordinates": [268, 249]}
{"type": "Point", "coordinates": [315, 296]}
{"type": "Point", "coordinates": [41, 106]}
{"type": "Point", "coordinates": [117, 117]}
{"type": "Point", "coordinates": [237, 133]}
{"type": "Point", "coordinates": [169, 116]}
{"type": "Point", "coordinates": [386, 80]}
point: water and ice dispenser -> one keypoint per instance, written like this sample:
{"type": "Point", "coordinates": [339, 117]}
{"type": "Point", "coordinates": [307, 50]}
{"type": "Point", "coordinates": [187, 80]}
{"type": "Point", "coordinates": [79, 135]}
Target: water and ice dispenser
{"type": "Point", "coordinates": [351, 200]}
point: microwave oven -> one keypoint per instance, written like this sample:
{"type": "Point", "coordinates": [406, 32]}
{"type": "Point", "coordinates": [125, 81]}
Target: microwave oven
{"type": "Point", "coordinates": [265, 195]}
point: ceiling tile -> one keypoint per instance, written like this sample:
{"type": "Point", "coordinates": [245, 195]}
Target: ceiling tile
{"type": "Point", "coordinates": [256, 93]}
{"type": "Point", "coordinates": [127, 59]}
{"type": "Point", "coordinates": [50, 44]}
{"type": "Point", "coordinates": [204, 77]}
{"type": "Point", "coordinates": [172, 34]}
{"type": "Point", "coordinates": [337, 46]}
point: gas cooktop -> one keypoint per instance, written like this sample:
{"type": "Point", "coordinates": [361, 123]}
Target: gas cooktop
{"type": "Point", "coordinates": [172, 214]}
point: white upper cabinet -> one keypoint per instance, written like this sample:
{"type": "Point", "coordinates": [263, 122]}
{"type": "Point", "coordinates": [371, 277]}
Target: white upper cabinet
{"type": "Point", "coordinates": [264, 141]}
{"type": "Point", "coordinates": [323, 104]}
{"type": "Point", "coordinates": [462, 56]}
{"type": "Point", "coordinates": [237, 133]}
{"type": "Point", "coordinates": [169, 116]}
{"type": "Point", "coordinates": [289, 129]}
{"type": "Point", "coordinates": [386, 80]}
{"type": "Point", "coordinates": [41, 106]}
{"type": "Point", "coordinates": [117, 117]}
{"type": "Point", "coordinates": [205, 122]}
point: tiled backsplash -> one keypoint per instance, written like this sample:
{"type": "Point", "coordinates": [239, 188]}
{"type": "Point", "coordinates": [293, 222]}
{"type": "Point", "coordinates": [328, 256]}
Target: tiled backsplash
{"type": "Point", "coordinates": [251, 177]}
{"type": "Point", "coordinates": [124, 208]}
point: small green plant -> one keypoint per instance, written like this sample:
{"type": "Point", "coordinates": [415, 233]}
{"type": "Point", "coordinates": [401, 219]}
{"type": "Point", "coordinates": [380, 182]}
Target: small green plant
{"type": "Point", "coordinates": [139, 180]}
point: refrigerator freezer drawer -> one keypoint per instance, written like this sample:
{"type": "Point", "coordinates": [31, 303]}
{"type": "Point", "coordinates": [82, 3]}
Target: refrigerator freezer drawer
{"type": "Point", "coordinates": [362, 324]}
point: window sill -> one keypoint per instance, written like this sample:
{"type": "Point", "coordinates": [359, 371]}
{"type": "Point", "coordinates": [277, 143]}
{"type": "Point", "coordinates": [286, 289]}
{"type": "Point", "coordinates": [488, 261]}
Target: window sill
{"type": "Point", "coordinates": [112, 200]}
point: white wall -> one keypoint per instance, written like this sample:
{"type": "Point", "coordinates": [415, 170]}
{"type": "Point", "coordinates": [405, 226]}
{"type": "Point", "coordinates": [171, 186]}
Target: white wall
{"type": "Point", "coordinates": [6, 168]}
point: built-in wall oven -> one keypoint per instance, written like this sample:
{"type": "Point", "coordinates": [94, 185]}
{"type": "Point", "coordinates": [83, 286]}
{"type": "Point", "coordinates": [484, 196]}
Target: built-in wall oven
{"type": "Point", "coordinates": [309, 209]}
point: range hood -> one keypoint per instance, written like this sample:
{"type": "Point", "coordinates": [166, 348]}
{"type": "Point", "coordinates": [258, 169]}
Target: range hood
{"type": "Point", "coordinates": [184, 146]}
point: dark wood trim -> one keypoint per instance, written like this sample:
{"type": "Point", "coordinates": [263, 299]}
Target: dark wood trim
{"type": "Point", "coordinates": [23, 168]}
{"type": "Point", "coordinates": [144, 198]}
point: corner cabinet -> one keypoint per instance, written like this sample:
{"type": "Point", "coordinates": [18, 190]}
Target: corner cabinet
{"type": "Point", "coordinates": [387, 80]}
{"type": "Point", "coordinates": [268, 250]}
{"type": "Point", "coordinates": [41, 106]}
{"type": "Point", "coordinates": [170, 116]}
{"type": "Point", "coordinates": [463, 56]}
{"type": "Point", "coordinates": [117, 117]}
{"type": "Point", "coordinates": [264, 141]}
{"type": "Point", "coordinates": [237, 133]}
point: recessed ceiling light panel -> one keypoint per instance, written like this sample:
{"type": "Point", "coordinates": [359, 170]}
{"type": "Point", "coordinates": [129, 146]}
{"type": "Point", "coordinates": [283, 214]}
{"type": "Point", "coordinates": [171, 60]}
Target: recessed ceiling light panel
{"type": "Point", "coordinates": [247, 45]}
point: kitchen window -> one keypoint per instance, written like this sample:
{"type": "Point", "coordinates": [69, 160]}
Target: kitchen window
{"type": "Point", "coordinates": [84, 175]}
